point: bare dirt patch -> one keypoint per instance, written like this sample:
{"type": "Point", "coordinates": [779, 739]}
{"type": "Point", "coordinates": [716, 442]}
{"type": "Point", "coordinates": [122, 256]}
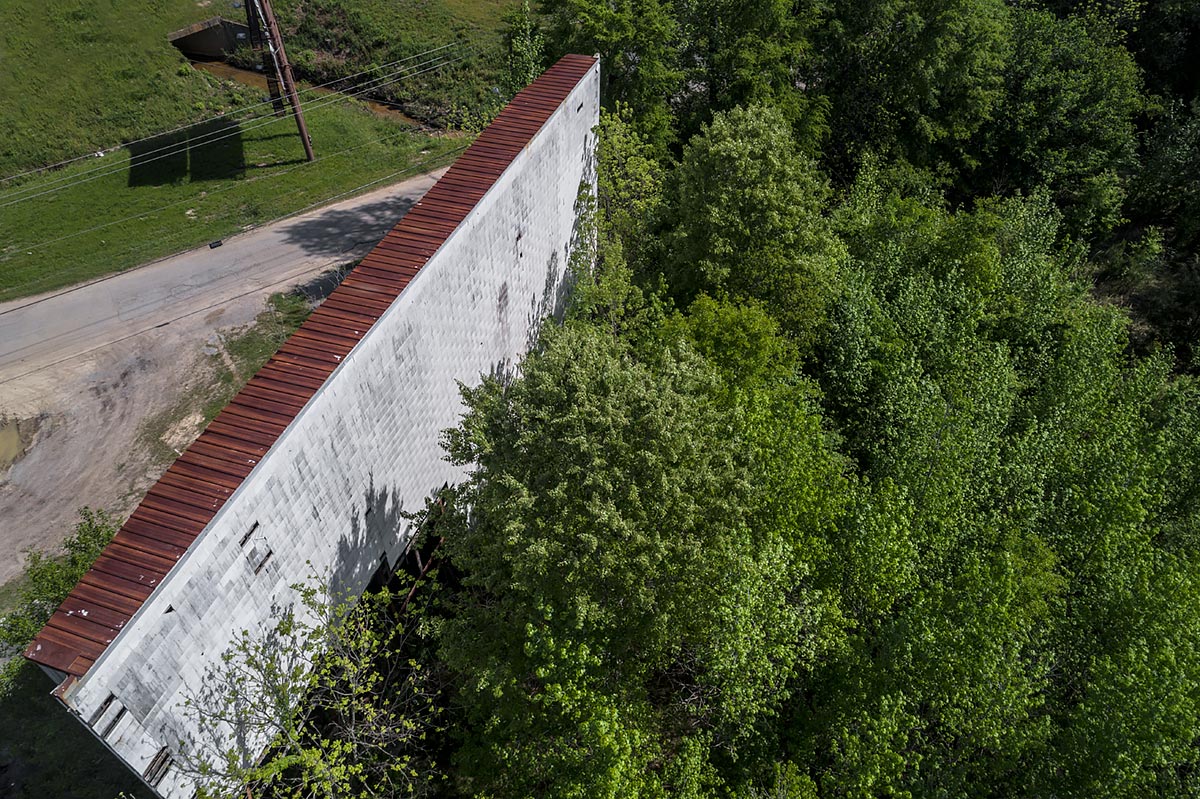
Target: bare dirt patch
{"type": "Point", "coordinates": [109, 424]}
{"type": "Point", "coordinates": [91, 446]}
{"type": "Point", "coordinates": [183, 432]}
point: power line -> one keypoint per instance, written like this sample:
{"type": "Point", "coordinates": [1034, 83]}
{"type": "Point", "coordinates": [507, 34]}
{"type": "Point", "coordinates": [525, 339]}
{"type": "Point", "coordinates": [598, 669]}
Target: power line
{"type": "Point", "coordinates": [235, 111]}
{"type": "Point", "coordinates": [411, 168]}
{"type": "Point", "coordinates": [237, 184]}
{"type": "Point", "coordinates": [267, 119]}
{"type": "Point", "coordinates": [219, 135]}
{"type": "Point", "coordinates": [103, 171]}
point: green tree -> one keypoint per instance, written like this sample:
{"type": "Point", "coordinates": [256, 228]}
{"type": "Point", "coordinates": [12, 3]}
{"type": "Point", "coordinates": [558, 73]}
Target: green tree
{"type": "Point", "coordinates": [525, 47]}
{"type": "Point", "coordinates": [908, 79]}
{"type": "Point", "coordinates": [638, 541]}
{"type": "Point", "coordinates": [638, 43]}
{"type": "Point", "coordinates": [332, 694]}
{"type": "Point", "coordinates": [629, 183]}
{"type": "Point", "coordinates": [1066, 120]}
{"type": "Point", "coordinates": [749, 222]}
{"type": "Point", "coordinates": [748, 53]}
{"type": "Point", "coordinates": [46, 581]}
{"type": "Point", "coordinates": [1166, 41]}
{"type": "Point", "coordinates": [1022, 489]}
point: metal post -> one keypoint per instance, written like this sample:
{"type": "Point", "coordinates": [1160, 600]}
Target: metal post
{"type": "Point", "coordinates": [270, 71]}
{"type": "Point", "coordinates": [275, 42]}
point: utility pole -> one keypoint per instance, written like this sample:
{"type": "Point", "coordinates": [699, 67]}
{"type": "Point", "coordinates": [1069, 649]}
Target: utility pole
{"type": "Point", "coordinates": [275, 43]}
{"type": "Point", "coordinates": [258, 44]}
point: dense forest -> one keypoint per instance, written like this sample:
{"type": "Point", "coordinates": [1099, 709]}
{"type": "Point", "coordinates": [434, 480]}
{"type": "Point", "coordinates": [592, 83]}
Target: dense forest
{"type": "Point", "coordinates": [866, 461]}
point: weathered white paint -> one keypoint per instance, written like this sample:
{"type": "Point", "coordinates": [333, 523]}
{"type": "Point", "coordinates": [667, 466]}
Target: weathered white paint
{"type": "Point", "coordinates": [365, 446]}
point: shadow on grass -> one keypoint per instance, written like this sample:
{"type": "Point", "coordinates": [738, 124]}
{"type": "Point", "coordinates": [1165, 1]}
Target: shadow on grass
{"type": "Point", "coordinates": [45, 752]}
{"type": "Point", "coordinates": [208, 151]}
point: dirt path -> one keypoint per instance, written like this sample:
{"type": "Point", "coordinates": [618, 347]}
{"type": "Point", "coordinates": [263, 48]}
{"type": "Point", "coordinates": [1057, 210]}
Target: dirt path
{"type": "Point", "coordinates": [83, 370]}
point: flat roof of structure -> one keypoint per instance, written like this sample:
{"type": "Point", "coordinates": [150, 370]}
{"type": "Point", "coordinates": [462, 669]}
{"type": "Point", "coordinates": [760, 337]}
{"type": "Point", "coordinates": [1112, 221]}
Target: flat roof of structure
{"type": "Point", "coordinates": [192, 491]}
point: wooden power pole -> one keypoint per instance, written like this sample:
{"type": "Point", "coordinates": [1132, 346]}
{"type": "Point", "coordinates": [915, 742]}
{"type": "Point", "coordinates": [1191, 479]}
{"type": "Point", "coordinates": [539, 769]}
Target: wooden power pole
{"type": "Point", "coordinates": [284, 69]}
{"type": "Point", "coordinates": [258, 43]}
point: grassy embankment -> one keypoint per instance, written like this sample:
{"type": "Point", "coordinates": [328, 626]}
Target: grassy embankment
{"type": "Point", "coordinates": [331, 38]}
{"type": "Point", "coordinates": [88, 76]}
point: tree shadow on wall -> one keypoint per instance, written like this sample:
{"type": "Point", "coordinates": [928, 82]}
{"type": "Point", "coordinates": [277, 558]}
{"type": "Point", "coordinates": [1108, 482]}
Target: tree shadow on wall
{"type": "Point", "coordinates": [562, 271]}
{"type": "Point", "coordinates": [341, 230]}
{"type": "Point", "coordinates": [361, 558]}
{"type": "Point", "coordinates": [550, 304]}
{"type": "Point", "coordinates": [210, 150]}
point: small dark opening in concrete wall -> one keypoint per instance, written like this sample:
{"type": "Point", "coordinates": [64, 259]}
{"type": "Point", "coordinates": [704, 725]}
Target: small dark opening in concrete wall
{"type": "Point", "coordinates": [99, 714]}
{"type": "Point", "coordinates": [160, 764]}
{"type": "Point", "coordinates": [262, 564]}
{"type": "Point", "coordinates": [112, 725]}
{"type": "Point", "coordinates": [212, 40]}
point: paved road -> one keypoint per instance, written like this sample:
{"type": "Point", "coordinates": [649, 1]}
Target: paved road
{"type": "Point", "coordinates": [40, 332]}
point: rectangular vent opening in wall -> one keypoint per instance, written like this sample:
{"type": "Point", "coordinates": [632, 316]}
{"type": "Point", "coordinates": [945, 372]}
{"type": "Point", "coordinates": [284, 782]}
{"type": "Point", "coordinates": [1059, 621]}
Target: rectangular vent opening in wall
{"type": "Point", "coordinates": [160, 764]}
{"type": "Point", "coordinates": [262, 564]}
{"type": "Point", "coordinates": [112, 725]}
{"type": "Point", "coordinates": [249, 533]}
{"type": "Point", "coordinates": [99, 714]}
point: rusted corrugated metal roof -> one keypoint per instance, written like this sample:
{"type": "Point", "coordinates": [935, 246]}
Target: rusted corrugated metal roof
{"type": "Point", "coordinates": [191, 492]}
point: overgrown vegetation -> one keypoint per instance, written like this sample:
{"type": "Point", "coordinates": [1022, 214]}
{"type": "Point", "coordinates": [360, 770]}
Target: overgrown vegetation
{"type": "Point", "coordinates": [839, 479]}
{"type": "Point", "coordinates": [360, 714]}
{"type": "Point", "coordinates": [331, 39]}
{"type": "Point", "coordinates": [47, 579]}
{"type": "Point", "coordinates": [843, 476]}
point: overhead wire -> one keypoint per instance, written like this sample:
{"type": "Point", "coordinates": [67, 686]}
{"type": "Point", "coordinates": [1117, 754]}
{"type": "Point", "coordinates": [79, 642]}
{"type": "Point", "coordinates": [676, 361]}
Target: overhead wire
{"type": "Point", "coordinates": [209, 138]}
{"type": "Point", "coordinates": [411, 168]}
{"type": "Point", "coordinates": [222, 116]}
{"type": "Point", "coordinates": [12, 198]}
{"type": "Point", "coordinates": [237, 184]}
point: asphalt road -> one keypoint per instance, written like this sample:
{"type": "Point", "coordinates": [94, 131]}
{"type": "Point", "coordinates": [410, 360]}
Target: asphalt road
{"type": "Point", "coordinates": [37, 333]}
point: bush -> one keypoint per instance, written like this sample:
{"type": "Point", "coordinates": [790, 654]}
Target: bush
{"type": "Point", "coordinates": [47, 580]}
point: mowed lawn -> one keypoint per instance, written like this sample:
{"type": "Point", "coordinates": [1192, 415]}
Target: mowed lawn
{"type": "Point", "coordinates": [84, 76]}
{"type": "Point", "coordinates": [135, 205]}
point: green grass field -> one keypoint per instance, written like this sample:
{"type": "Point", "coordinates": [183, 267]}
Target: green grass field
{"type": "Point", "coordinates": [83, 76]}
{"type": "Point", "coordinates": [128, 208]}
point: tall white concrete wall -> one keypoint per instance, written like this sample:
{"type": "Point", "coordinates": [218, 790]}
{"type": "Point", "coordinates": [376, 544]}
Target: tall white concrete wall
{"type": "Point", "coordinates": [329, 492]}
